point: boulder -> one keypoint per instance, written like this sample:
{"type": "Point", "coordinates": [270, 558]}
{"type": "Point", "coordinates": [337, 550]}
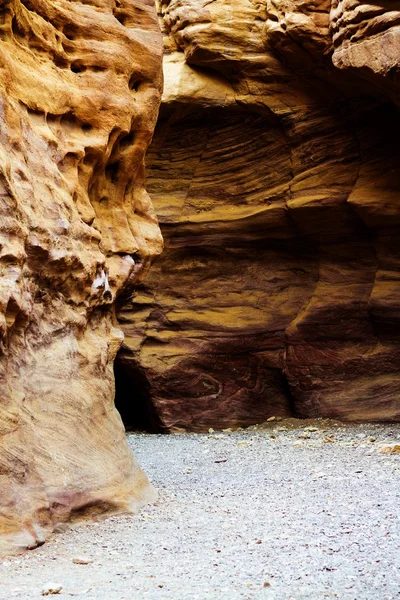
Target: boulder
{"type": "Point", "coordinates": [80, 86]}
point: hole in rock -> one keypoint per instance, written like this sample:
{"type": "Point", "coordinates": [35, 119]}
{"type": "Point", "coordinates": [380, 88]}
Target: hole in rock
{"type": "Point", "coordinates": [90, 156]}
{"type": "Point", "coordinates": [11, 312]}
{"type": "Point", "coordinates": [86, 511]}
{"type": "Point", "coordinates": [28, 5]}
{"type": "Point", "coordinates": [134, 84]}
{"type": "Point", "coordinates": [16, 29]}
{"type": "Point", "coordinates": [78, 68]}
{"type": "Point", "coordinates": [112, 172]}
{"type": "Point", "coordinates": [33, 112]}
{"type": "Point", "coordinates": [69, 162]}
{"type": "Point", "coordinates": [122, 18]}
{"type": "Point", "coordinates": [70, 32]}
{"type": "Point", "coordinates": [60, 62]}
{"type": "Point", "coordinates": [8, 259]}
{"type": "Point", "coordinates": [132, 398]}
{"type": "Point", "coordinates": [126, 141]}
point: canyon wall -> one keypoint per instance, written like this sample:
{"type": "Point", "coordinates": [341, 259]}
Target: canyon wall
{"type": "Point", "coordinates": [274, 171]}
{"type": "Point", "coordinates": [80, 86]}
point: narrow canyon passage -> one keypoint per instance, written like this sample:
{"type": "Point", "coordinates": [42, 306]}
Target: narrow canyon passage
{"type": "Point", "coordinates": [200, 198]}
{"type": "Point", "coordinates": [292, 510]}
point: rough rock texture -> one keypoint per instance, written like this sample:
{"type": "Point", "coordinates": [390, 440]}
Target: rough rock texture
{"type": "Point", "coordinates": [366, 39]}
{"type": "Point", "coordinates": [275, 174]}
{"type": "Point", "coordinates": [79, 93]}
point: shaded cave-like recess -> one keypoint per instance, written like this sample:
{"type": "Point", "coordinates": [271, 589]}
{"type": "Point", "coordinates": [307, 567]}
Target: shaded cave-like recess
{"type": "Point", "coordinates": [132, 399]}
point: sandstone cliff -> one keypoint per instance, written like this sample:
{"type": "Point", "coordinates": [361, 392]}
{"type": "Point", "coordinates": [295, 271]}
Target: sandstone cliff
{"type": "Point", "coordinates": [80, 86]}
{"type": "Point", "coordinates": [275, 173]}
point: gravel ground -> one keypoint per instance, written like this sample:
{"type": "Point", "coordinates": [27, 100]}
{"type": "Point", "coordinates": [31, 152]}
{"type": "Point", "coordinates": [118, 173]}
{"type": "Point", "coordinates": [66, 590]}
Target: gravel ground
{"type": "Point", "coordinates": [286, 511]}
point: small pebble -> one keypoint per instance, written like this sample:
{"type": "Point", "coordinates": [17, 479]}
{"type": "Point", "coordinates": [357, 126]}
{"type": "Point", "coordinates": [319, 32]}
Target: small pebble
{"type": "Point", "coordinates": [82, 560]}
{"type": "Point", "coordinates": [51, 588]}
{"type": "Point", "coordinates": [389, 449]}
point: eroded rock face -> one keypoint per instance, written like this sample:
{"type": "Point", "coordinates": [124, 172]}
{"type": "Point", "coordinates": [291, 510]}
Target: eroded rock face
{"type": "Point", "coordinates": [366, 40]}
{"type": "Point", "coordinates": [79, 93]}
{"type": "Point", "coordinates": [275, 173]}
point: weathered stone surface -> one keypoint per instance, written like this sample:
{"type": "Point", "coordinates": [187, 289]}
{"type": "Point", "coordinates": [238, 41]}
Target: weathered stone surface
{"type": "Point", "coordinates": [275, 173]}
{"type": "Point", "coordinates": [366, 40]}
{"type": "Point", "coordinates": [79, 94]}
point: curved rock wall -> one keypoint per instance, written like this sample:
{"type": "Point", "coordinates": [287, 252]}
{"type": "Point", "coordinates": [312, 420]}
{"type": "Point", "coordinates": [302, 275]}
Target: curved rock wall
{"type": "Point", "coordinates": [275, 173]}
{"type": "Point", "coordinates": [80, 88]}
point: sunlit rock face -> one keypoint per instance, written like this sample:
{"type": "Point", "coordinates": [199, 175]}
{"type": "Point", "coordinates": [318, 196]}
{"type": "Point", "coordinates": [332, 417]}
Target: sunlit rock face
{"type": "Point", "coordinates": [274, 171]}
{"type": "Point", "coordinates": [366, 40]}
{"type": "Point", "coordinates": [80, 87]}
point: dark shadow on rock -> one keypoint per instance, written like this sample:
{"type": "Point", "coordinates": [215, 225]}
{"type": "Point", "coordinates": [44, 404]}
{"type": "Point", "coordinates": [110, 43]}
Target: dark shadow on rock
{"type": "Point", "coordinates": [132, 398]}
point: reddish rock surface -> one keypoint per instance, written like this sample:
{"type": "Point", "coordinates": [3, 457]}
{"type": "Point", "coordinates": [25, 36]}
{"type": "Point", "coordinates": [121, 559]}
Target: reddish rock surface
{"type": "Point", "coordinates": [275, 174]}
{"type": "Point", "coordinates": [80, 87]}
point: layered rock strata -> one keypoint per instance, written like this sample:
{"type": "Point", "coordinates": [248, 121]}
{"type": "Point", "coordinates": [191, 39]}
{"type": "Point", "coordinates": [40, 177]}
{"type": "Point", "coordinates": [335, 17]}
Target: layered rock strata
{"type": "Point", "coordinates": [80, 86]}
{"type": "Point", "coordinates": [275, 174]}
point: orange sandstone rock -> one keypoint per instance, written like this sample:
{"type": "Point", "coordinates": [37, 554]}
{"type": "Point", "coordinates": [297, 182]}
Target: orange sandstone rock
{"type": "Point", "coordinates": [80, 86]}
{"type": "Point", "coordinates": [274, 171]}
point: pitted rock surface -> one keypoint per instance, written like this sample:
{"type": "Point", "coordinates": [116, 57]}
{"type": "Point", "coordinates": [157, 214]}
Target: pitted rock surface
{"type": "Point", "coordinates": [80, 86]}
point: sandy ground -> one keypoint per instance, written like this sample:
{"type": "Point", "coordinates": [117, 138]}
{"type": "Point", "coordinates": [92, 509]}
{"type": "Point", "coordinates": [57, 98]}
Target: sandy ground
{"type": "Point", "coordinates": [276, 512]}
